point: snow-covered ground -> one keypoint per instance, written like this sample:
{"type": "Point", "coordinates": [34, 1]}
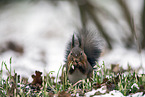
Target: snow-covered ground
{"type": "Point", "coordinates": [43, 30]}
{"type": "Point", "coordinates": [113, 93]}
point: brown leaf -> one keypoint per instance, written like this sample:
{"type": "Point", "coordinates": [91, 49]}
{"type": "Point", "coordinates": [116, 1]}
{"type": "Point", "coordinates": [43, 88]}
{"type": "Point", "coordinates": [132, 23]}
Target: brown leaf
{"type": "Point", "coordinates": [96, 85]}
{"type": "Point", "coordinates": [50, 94]}
{"type": "Point", "coordinates": [115, 68]}
{"type": "Point", "coordinates": [105, 80]}
{"type": "Point", "coordinates": [64, 94]}
{"type": "Point", "coordinates": [37, 79]}
{"type": "Point", "coordinates": [141, 88]}
{"type": "Point", "coordinates": [110, 86]}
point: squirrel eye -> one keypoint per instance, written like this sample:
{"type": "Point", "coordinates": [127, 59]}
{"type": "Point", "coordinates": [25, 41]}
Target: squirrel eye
{"type": "Point", "coordinates": [71, 53]}
{"type": "Point", "coordinates": [81, 53]}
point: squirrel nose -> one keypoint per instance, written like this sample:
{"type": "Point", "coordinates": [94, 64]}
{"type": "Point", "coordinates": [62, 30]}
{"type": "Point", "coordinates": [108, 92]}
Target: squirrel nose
{"type": "Point", "coordinates": [76, 60]}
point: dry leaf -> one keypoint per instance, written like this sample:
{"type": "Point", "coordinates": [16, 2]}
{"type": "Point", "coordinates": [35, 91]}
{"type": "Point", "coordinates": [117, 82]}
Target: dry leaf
{"type": "Point", "coordinates": [37, 79]}
{"type": "Point", "coordinates": [64, 94]}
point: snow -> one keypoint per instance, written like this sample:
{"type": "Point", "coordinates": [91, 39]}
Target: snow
{"type": "Point", "coordinates": [113, 93]}
{"type": "Point", "coordinates": [101, 90]}
{"type": "Point", "coordinates": [123, 57]}
{"type": "Point", "coordinates": [37, 28]}
{"type": "Point", "coordinates": [135, 85]}
{"type": "Point", "coordinates": [43, 30]}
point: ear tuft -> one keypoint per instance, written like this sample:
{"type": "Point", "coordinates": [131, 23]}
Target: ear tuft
{"type": "Point", "coordinates": [73, 42]}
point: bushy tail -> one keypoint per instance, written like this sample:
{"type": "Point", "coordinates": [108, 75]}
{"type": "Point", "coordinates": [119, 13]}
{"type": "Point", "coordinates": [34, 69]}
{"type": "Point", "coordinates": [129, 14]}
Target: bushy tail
{"type": "Point", "coordinates": [90, 44]}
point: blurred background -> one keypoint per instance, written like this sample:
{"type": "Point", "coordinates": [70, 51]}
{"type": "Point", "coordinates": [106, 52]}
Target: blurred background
{"type": "Point", "coordinates": [35, 32]}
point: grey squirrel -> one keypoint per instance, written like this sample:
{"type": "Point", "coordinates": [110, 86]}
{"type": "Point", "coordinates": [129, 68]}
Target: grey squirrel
{"type": "Point", "coordinates": [81, 55]}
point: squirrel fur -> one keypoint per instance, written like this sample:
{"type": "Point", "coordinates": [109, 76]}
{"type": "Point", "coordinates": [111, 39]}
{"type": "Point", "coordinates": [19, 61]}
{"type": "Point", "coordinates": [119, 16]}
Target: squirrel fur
{"type": "Point", "coordinates": [81, 55]}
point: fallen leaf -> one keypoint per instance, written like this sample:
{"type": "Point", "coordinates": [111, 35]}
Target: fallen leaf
{"type": "Point", "coordinates": [37, 79]}
{"type": "Point", "coordinates": [64, 94]}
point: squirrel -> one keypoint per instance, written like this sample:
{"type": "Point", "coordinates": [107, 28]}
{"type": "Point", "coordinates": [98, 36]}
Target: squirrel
{"type": "Point", "coordinates": [81, 55]}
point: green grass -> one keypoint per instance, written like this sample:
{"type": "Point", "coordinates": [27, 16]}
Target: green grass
{"type": "Point", "coordinates": [123, 81]}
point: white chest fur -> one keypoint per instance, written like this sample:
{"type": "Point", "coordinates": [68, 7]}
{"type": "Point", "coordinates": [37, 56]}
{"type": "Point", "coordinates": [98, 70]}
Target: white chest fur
{"type": "Point", "coordinates": [76, 76]}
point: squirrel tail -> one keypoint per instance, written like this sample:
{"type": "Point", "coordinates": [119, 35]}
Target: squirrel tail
{"type": "Point", "coordinates": [89, 43]}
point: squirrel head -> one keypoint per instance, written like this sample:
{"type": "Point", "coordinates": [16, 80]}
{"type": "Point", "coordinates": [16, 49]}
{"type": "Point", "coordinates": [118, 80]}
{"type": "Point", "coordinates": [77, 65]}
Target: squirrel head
{"type": "Point", "coordinates": [77, 54]}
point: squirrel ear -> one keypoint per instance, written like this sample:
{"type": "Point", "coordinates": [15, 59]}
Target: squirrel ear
{"type": "Point", "coordinates": [80, 41]}
{"type": "Point", "coordinates": [73, 42]}
{"type": "Point", "coordinates": [77, 42]}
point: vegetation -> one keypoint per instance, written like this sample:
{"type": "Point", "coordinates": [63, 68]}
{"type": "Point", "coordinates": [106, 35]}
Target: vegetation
{"type": "Point", "coordinates": [125, 81]}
